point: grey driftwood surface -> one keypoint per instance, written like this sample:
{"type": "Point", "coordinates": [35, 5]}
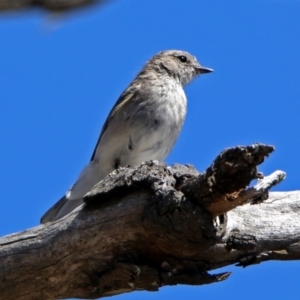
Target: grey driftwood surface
{"type": "Point", "coordinates": [149, 226]}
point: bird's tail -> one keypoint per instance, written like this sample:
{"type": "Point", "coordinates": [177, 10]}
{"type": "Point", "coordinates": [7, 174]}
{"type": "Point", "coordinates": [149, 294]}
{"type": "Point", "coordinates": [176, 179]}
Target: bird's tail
{"type": "Point", "coordinates": [60, 209]}
{"type": "Point", "coordinates": [89, 176]}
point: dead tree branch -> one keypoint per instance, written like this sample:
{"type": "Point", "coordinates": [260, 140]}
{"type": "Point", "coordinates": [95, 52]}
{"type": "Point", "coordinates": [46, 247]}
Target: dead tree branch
{"type": "Point", "coordinates": [148, 226]}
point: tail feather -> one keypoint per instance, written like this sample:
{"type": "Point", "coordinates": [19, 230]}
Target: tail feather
{"type": "Point", "coordinates": [60, 209]}
{"type": "Point", "coordinates": [89, 176]}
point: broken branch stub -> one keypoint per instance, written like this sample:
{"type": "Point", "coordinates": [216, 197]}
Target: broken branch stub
{"type": "Point", "coordinates": [217, 190]}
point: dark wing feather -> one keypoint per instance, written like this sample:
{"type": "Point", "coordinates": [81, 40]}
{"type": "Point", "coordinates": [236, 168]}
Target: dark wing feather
{"type": "Point", "coordinates": [126, 95]}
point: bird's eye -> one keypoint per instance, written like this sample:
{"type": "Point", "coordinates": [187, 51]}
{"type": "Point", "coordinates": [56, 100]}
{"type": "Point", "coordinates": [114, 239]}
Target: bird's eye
{"type": "Point", "coordinates": [182, 58]}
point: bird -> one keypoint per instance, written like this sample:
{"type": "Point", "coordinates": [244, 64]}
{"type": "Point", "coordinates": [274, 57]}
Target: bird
{"type": "Point", "coordinates": [143, 124]}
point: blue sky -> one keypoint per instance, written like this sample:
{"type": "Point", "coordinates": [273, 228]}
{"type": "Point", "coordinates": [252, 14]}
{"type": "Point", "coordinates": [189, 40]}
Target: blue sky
{"type": "Point", "coordinates": [60, 76]}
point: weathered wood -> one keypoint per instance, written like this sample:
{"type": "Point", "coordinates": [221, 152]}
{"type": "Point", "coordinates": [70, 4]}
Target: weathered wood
{"type": "Point", "coordinates": [224, 185]}
{"type": "Point", "coordinates": [143, 228]}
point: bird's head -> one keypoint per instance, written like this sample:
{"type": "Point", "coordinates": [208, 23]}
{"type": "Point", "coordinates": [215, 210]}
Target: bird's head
{"type": "Point", "coordinates": [180, 65]}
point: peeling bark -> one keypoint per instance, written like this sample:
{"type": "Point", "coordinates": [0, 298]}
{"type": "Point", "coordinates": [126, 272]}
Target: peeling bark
{"type": "Point", "coordinates": [153, 225]}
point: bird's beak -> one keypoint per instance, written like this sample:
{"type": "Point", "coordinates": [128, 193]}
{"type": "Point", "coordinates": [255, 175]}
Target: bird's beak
{"type": "Point", "coordinates": [203, 70]}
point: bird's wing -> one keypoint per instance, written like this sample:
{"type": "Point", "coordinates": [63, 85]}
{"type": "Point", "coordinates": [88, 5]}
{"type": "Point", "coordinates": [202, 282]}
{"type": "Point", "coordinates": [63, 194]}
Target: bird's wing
{"type": "Point", "coordinates": [92, 173]}
{"type": "Point", "coordinates": [124, 98]}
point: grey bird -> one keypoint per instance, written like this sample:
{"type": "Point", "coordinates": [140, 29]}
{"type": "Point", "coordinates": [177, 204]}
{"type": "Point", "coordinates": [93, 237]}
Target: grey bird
{"type": "Point", "coordinates": [143, 124]}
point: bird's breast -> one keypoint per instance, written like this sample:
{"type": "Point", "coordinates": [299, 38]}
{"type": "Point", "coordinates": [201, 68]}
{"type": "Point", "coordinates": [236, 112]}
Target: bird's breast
{"type": "Point", "coordinates": [158, 129]}
{"type": "Point", "coordinates": [146, 129]}
{"type": "Point", "coordinates": [171, 106]}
